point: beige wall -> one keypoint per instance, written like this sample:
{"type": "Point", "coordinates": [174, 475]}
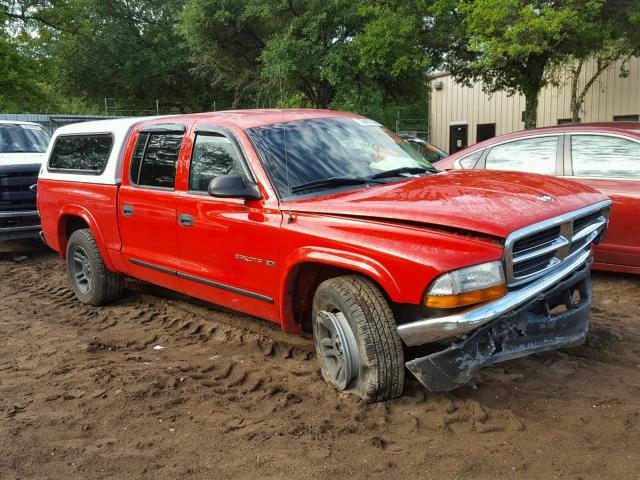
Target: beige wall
{"type": "Point", "coordinates": [610, 95]}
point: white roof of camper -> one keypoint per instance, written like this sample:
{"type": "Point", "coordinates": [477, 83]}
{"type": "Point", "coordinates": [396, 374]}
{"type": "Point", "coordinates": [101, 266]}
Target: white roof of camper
{"type": "Point", "coordinates": [118, 128]}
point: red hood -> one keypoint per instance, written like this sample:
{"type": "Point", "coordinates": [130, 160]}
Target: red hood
{"type": "Point", "coordinates": [488, 202]}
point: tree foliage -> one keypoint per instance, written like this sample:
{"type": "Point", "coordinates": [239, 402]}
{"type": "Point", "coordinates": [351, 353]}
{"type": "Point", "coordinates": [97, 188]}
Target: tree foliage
{"type": "Point", "coordinates": [295, 52]}
{"type": "Point", "coordinates": [203, 54]}
{"type": "Point", "coordinates": [124, 50]}
{"type": "Point", "coordinates": [370, 56]}
{"type": "Point", "coordinates": [509, 45]}
{"type": "Point", "coordinates": [129, 52]}
{"type": "Point", "coordinates": [616, 40]}
{"type": "Point", "coordinates": [20, 87]}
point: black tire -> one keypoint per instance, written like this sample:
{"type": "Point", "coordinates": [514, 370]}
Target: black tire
{"type": "Point", "coordinates": [378, 374]}
{"type": "Point", "coordinates": [90, 279]}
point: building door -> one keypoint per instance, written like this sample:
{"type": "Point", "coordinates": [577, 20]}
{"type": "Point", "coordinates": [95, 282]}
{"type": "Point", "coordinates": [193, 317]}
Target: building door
{"type": "Point", "coordinates": [457, 138]}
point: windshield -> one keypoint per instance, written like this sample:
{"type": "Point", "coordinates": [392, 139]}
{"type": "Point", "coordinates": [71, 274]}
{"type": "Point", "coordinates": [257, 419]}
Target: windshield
{"type": "Point", "coordinates": [19, 138]}
{"type": "Point", "coordinates": [331, 148]}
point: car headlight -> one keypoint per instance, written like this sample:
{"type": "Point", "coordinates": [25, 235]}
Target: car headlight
{"type": "Point", "coordinates": [467, 286]}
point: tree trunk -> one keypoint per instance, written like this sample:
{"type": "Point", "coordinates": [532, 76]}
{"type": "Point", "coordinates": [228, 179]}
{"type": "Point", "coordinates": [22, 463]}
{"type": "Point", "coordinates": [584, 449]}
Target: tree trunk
{"type": "Point", "coordinates": [575, 106]}
{"type": "Point", "coordinates": [531, 110]}
{"type": "Point", "coordinates": [533, 81]}
{"type": "Point", "coordinates": [577, 100]}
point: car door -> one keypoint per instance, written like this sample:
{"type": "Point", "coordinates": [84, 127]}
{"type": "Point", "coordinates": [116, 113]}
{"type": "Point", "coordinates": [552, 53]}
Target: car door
{"type": "Point", "coordinates": [611, 164]}
{"type": "Point", "coordinates": [228, 246]}
{"type": "Point", "coordinates": [147, 203]}
{"type": "Point", "coordinates": [536, 154]}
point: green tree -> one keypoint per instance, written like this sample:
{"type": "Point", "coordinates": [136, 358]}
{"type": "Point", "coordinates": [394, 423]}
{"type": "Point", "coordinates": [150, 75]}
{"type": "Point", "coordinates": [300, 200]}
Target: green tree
{"type": "Point", "coordinates": [20, 90]}
{"type": "Point", "coordinates": [616, 40]}
{"type": "Point", "coordinates": [24, 79]}
{"type": "Point", "coordinates": [124, 50]}
{"type": "Point", "coordinates": [312, 52]}
{"type": "Point", "coordinates": [510, 45]}
{"type": "Point", "coordinates": [294, 53]}
{"type": "Point", "coordinates": [194, 54]}
{"type": "Point", "coordinates": [604, 58]}
{"type": "Point", "coordinates": [129, 51]}
{"type": "Point", "coordinates": [225, 40]}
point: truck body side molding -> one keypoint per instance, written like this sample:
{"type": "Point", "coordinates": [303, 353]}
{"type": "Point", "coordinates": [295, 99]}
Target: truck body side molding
{"type": "Point", "coordinates": [204, 281]}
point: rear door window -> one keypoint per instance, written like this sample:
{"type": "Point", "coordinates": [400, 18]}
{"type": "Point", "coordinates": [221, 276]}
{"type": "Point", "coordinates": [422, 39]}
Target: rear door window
{"type": "Point", "coordinates": [154, 160]}
{"type": "Point", "coordinates": [605, 156]}
{"type": "Point", "coordinates": [533, 155]}
{"type": "Point", "coordinates": [81, 153]}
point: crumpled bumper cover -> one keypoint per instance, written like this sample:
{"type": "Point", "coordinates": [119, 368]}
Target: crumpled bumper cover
{"type": "Point", "coordinates": [531, 328]}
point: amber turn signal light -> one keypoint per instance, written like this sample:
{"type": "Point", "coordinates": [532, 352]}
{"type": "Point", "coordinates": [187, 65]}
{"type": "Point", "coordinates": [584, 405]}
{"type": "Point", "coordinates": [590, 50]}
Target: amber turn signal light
{"type": "Point", "coordinates": [465, 299]}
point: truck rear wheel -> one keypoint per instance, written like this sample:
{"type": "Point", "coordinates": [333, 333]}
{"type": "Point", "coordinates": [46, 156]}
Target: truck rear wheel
{"type": "Point", "coordinates": [356, 339]}
{"type": "Point", "coordinates": [91, 281]}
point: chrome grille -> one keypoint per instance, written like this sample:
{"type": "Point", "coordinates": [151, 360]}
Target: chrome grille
{"type": "Point", "coordinates": [538, 249]}
{"type": "Point", "coordinates": [537, 240]}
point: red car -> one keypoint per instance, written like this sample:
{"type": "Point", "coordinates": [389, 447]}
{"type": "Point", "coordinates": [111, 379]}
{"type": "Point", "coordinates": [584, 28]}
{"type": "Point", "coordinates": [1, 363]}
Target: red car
{"type": "Point", "coordinates": [604, 156]}
{"type": "Point", "coordinates": [327, 221]}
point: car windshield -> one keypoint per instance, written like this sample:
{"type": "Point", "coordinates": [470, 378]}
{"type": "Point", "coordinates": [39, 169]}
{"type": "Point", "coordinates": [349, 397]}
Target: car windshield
{"type": "Point", "coordinates": [308, 152]}
{"type": "Point", "coordinates": [23, 138]}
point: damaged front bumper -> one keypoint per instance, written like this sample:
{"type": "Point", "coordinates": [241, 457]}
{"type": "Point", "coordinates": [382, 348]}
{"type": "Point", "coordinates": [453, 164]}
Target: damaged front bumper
{"type": "Point", "coordinates": [553, 317]}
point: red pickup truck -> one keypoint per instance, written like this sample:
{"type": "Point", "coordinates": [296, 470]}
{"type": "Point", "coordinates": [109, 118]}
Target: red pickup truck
{"type": "Point", "coordinates": [327, 221]}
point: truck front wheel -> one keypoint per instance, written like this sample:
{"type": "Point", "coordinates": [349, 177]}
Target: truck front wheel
{"type": "Point", "coordinates": [92, 282]}
{"type": "Point", "coordinates": [356, 339]}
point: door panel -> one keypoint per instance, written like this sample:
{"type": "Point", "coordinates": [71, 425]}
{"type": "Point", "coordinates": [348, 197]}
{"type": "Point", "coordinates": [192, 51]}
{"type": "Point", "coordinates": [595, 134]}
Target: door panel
{"type": "Point", "coordinates": [622, 243]}
{"type": "Point", "coordinates": [149, 234]}
{"type": "Point", "coordinates": [228, 247]}
{"type": "Point", "coordinates": [611, 164]}
{"type": "Point", "coordinates": [147, 205]}
{"type": "Point", "coordinates": [229, 253]}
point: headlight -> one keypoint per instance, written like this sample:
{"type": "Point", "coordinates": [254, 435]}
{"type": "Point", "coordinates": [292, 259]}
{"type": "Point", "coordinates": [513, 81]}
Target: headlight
{"type": "Point", "coordinates": [467, 286]}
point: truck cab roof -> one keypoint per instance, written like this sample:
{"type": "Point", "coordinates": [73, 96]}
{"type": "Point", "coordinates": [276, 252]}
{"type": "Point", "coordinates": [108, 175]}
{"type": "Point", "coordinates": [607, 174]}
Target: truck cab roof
{"type": "Point", "coordinates": [121, 128]}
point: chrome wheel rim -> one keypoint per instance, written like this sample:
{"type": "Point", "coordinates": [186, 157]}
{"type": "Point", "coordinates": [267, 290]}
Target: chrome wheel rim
{"type": "Point", "coordinates": [81, 270]}
{"type": "Point", "coordinates": [337, 347]}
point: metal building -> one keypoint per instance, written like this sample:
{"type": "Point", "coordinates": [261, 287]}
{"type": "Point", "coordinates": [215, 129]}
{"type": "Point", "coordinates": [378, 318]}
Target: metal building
{"type": "Point", "coordinates": [460, 116]}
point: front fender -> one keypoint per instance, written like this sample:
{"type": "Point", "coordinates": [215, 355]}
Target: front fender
{"type": "Point", "coordinates": [338, 258]}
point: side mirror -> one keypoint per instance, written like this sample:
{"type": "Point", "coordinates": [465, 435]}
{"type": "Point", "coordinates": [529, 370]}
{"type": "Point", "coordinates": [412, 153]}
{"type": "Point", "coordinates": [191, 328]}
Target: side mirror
{"type": "Point", "coordinates": [233, 186]}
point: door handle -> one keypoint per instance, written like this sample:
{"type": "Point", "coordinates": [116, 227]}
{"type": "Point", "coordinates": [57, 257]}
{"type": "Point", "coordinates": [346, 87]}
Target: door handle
{"type": "Point", "coordinates": [185, 220]}
{"type": "Point", "coordinates": [127, 210]}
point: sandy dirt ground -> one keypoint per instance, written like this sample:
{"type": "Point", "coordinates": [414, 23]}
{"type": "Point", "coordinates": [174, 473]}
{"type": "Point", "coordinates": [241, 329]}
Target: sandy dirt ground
{"type": "Point", "coordinates": [84, 394]}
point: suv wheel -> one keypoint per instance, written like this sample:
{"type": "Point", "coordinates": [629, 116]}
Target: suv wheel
{"type": "Point", "coordinates": [356, 339]}
{"type": "Point", "coordinates": [90, 279]}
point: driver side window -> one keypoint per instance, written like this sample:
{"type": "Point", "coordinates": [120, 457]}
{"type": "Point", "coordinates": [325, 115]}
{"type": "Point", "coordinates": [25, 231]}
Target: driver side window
{"type": "Point", "coordinates": [213, 156]}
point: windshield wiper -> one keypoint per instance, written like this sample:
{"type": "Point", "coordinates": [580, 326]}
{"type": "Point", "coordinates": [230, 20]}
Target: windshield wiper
{"type": "Point", "coordinates": [396, 172]}
{"type": "Point", "coordinates": [331, 182]}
